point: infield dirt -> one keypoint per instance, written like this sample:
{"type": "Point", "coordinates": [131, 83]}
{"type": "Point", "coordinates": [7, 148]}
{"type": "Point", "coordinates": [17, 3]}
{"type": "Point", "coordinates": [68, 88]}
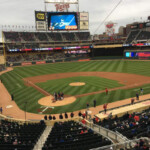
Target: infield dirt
{"type": "Point", "coordinates": [128, 80]}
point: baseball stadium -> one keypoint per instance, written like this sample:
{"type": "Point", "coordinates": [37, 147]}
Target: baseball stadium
{"type": "Point", "coordinates": [64, 88]}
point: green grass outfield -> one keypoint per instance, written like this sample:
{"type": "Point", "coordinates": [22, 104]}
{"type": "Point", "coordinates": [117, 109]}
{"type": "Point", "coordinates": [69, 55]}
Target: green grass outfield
{"type": "Point", "coordinates": [13, 82]}
{"type": "Point", "coordinates": [92, 84]}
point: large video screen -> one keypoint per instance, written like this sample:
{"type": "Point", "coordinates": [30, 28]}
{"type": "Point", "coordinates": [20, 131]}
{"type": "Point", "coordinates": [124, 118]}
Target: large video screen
{"type": "Point", "coordinates": [62, 21]}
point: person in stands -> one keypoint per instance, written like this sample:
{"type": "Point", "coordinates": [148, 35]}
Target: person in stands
{"type": "Point", "coordinates": [66, 115]}
{"type": "Point", "coordinates": [54, 118]}
{"type": "Point", "coordinates": [72, 115]}
{"type": "Point", "coordinates": [60, 116]}
{"type": "Point", "coordinates": [50, 117]}
{"type": "Point", "coordinates": [45, 117]}
{"type": "Point", "coordinates": [79, 114]}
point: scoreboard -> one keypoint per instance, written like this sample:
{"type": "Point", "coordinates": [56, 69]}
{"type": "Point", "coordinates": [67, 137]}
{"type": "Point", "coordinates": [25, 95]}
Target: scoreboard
{"type": "Point", "coordinates": [61, 21]}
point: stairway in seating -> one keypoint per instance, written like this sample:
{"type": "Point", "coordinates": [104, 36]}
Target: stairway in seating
{"type": "Point", "coordinates": [42, 139]}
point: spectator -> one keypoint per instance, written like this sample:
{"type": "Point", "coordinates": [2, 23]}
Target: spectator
{"type": "Point", "coordinates": [141, 143]}
{"type": "Point", "coordinates": [79, 114]}
{"type": "Point", "coordinates": [136, 118]}
{"type": "Point", "coordinates": [61, 140]}
{"type": "Point", "coordinates": [90, 131]}
{"type": "Point", "coordinates": [54, 118]}
{"type": "Point", "coordinates": [45, 117]}
{"type": "Point", "coordinates": [60, 116]}
{"type": "Point", "coordinates": [66, 115]}
{"type": "Point", "coordinates": [15, 142]}
{"type": "Point", "coordinates": [96, 119]}
{"type": "Point", "coordinates": [82, 132]}
{"type": "Point", "coordinates": [50, 117]}
{"type": "Point", "coordinates": [72, 115]}
{"type": "Point", "coordinates": [83, 121]}
{"type": "Point", "coordinates": [42, 122]}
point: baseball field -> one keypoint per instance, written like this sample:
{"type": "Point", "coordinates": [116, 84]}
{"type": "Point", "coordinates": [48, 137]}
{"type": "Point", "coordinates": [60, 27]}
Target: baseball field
{"type": "Point", "coordinates": [122, 78]}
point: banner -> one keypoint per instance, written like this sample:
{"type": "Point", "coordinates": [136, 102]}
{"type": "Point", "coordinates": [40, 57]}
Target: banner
{"type": "Point", "coordinates": [84, 59]}
{"type": "Point", "coordinates": [62, 1]}
{"type": "Point", "coordinates": [40, 62]}
{"type": "Point", "coordinates": [26, 63]}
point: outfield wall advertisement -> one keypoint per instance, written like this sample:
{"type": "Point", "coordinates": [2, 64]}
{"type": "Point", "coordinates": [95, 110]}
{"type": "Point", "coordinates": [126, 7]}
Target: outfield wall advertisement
{"type": "Point", "coordinates": [140, 55]}
{"type": "Point", "coordinates": [50, 49]}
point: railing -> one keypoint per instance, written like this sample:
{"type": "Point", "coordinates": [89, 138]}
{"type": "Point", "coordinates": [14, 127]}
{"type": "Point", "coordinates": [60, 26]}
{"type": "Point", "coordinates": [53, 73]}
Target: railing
{"type": "Point", "coordinates": [129, 144]}
{"type": "Point", "coordinates": [112, 136]}
{"type": "Point", "coordinates": [47, 122]}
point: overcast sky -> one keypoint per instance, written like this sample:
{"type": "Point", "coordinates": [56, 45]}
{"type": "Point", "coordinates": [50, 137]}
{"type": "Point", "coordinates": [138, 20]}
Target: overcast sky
{"type": "Point", "coordinates": [21, 12]}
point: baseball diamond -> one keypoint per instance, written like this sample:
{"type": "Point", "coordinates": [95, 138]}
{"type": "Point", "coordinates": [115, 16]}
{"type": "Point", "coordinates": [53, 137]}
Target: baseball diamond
{"type": "Point", "coordinates": [121, 77]}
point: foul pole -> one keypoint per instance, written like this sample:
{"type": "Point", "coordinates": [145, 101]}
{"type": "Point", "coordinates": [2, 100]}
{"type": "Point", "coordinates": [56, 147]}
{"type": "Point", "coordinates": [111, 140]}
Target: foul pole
{"type": "Point", "coordinates": [4, 50]}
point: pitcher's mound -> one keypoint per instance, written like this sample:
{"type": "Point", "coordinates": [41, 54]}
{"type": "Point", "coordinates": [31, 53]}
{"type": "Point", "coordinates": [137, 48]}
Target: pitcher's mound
{"type": "Point", "coordinates": [48, 101]}
{"type": "Point", "coordinates": [77, 84]}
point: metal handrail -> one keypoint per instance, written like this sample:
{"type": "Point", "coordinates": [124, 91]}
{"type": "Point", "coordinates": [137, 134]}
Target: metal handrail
{"type": "Point", "coordinates": [126, 144]}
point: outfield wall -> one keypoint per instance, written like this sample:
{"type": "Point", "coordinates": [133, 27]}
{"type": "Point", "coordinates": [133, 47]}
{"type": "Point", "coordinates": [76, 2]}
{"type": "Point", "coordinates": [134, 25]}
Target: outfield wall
{"type": "Point", "coordinates": [63, 60]}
